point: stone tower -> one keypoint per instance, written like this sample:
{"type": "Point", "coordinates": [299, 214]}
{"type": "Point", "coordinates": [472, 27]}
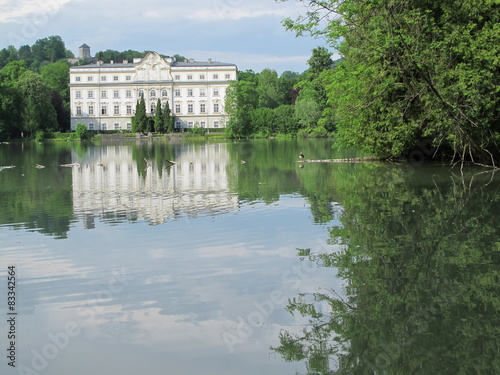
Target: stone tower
{"type": "Point", "coordinates": [84, 51]}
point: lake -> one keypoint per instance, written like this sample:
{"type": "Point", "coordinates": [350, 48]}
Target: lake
{"type": "Point", "coordinates": [238, 259]}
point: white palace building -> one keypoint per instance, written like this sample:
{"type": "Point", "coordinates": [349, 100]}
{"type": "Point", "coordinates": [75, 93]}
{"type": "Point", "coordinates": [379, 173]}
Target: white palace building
{"type": "Point", "coordinates": [104, 96]}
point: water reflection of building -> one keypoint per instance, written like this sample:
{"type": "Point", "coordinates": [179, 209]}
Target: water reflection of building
{"type": "Point", "coordinates": [111, 185]}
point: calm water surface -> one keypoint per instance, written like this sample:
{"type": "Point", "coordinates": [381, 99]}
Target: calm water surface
{"type": "Point", "coordinates": [239, 260]}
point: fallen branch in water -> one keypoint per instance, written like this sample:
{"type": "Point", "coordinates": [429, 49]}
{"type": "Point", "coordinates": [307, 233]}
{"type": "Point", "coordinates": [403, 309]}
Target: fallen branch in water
{"type": "Point", "coordinates": [346, 160]}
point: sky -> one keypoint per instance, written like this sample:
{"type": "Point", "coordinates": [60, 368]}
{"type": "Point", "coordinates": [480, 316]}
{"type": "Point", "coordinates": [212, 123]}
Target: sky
{"type": "Point", "coordinates": [248, 33]}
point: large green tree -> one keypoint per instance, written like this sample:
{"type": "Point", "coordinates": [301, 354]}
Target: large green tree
{"type": "Point", "coordinates": [413, 70]}
{"type": "Point", "coordinates": [38, 113]}
{"type": "Point", "coordinates": [269, 89]}
{"type": "Point", "coordinates": [241, 100]}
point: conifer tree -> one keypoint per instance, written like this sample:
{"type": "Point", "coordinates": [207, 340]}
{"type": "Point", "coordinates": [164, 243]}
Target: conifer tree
{"type": "Point", "coordinates": [168, 119]}
{"type": "Point", "coordinates": [140, 119]}
{"type": "Point", "coordinates": [159, 120]}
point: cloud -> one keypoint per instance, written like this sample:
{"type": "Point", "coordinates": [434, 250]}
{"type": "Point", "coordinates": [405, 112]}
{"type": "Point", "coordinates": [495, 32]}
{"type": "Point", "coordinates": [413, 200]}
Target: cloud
{"type": "Point", "coordinates": [18, 11]}
{"type": "Point", "coordinates": [230, 13]}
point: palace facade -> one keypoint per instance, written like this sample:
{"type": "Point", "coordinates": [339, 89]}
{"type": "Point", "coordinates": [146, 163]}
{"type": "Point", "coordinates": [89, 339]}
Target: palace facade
{"type": "Point", "coordinates": [104, 96]}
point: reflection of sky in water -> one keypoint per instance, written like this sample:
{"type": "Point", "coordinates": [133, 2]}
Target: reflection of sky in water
{"type": "Point", "coordinates": [186, 283]}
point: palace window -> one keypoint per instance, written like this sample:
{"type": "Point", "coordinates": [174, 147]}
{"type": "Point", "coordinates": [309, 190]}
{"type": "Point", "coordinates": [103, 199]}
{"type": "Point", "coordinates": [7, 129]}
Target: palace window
{"type": "Point", "coordinates": [190, 76]}
{"type": "Point", "coordinates": [203, 124]}
{"type": "Point", "coordinates": [91, 126]}
{"type": "Point", "coordinates": [141, 93]}
{"type": "Point", "coordinates": [115, 78]}
{"type": "Point", "coordinates": [216, 107]}
{"type": "Point", "coordinates": [91, 109]}
{"type": "Point", "coordinates": [152, 93]}
{"type": "Point", "coordinates": [77, 79]}
{"type": "Point", "coordinates": [202, 108]}
{"type": "Point", "coordinates": [116, 94]}
{"type": "Point", "coordinates": [104, 110]}
{"type": "Point", "coordinates": [190, 108]}
{"type": "Point", "coordinates": [128, 93]}
{"type": "Point", "coordinates": [177, 92]}
{"type": "Point", "coordinates": [190, 92]}
{"type": "Point", "coordinates": [104, 126]}
{"type": "Point", "coordinates": [202, 76]}
{"type": "Point", "coordinates": [190, 124]}
{"type": "Point", "coordinates": [216, 76]}
{"type": "Point", "coordinates": [228, 76]}
{"type": "Point", "coordinates": [89, 78]}
{"type": "Point", "coordinates": [90, 94]}
{"type": "Point", "coordinates": [103, 94]}
{"type": "Point", "coordinates": [129, 110]}
{"type": "Point", "coordinates": [216, 92]}
{"type": "Point", "coordinates": [177, 108]}
{"type": "Point", "coordinates": [164, 93]}
{"type": "Point", "coordinates": [78, 110]}
{"type": "Point", "coordinates": [128, 78]}
{"type": "Point", "coordinates": [117, 125]}
{"type": "Point", "coordinates": [216, 124]}
{"type": "Point", "coordinates": [203, 92]}
{"type": "Point", "coordinates": [78, 94]}
{"type": "Point", "coordinates": [129, 126]}
{"type": "Point", "coordinates": [116, 109]}
{"type": "Point", "coordinates": [103, 78]}
{"type": "Point", "coordinates": [153, 108]}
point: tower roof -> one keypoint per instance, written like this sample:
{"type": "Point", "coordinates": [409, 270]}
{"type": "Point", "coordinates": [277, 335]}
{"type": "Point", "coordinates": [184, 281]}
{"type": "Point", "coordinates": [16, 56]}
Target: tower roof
{"type": "Point", "coordinates": [84, 46]}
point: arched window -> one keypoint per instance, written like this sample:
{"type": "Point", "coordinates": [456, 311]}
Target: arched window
{"type": "Point", "coordinates": [152, 93]}
{"type": "Point", "coordinates": [141, 93]}
{"type": "Point", "coordinates": [164, 92]}
{"type": "Point", "coordinates": [153, 107]}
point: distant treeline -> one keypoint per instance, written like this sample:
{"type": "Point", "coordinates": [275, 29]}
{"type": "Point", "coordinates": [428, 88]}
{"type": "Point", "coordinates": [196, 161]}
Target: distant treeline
{"type": "Point", "coordinates": [34, 94]}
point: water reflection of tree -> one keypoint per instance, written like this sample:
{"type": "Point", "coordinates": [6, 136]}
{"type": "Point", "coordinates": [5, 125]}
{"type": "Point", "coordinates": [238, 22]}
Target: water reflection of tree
{"type": "Point", "coordinates": [38, 199]}
{"type": "Point", "coordinates": [155, 152]}
{"type": "Point", "coordinates": [420, 260]}
{"type": "Point", "coordinates": [271, 170]}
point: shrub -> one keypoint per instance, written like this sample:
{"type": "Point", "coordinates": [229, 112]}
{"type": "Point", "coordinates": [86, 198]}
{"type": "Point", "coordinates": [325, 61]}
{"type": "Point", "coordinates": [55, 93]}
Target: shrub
{"type": "Point", "coordinates": [81, 131]}
{"type": "Point", "coordinates": [39, 135]}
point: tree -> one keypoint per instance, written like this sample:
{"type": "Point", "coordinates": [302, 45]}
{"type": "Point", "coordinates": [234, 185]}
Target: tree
{"type": "Point", "coordinates": [320, 60]}
{"type": "Point", "coordinates": [37, 109]}
{"type": "Point", "coordinates": [49, 49]}
{"type": "Point", "coordinates": [159, 125]}
{"type": "Point", "coordinates": [241, 100]}
{"type": "Point", "coordinates": [269, 90]}
{"type": "Point", "coordinates": [140, 120]}
{"type": "Point", "coordinates": [168, 119]}
{"type": "Point", "coordinates": [57, 77]}
{"type": "Point", "coordinates": [413, 71]}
